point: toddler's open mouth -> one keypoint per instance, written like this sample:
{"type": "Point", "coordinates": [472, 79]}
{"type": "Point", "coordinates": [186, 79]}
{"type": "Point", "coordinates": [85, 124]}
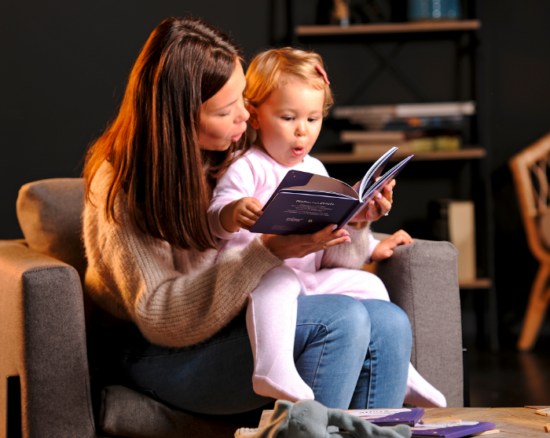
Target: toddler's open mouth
{"type": "Point", "coordinates": [298, 151]}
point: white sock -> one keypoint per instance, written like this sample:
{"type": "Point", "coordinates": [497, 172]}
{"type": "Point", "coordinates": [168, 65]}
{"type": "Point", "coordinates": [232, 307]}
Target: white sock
{"type": "Point", "coordinates": [271, 324]}
{"type": "Point", "coordinates": [421, 393]}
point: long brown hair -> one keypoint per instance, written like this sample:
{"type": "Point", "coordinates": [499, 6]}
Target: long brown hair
{"type": "Point", "coordinates": [152, 144]}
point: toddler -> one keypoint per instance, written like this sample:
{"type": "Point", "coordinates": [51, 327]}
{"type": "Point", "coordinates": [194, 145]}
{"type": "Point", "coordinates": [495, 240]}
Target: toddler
{"type": "Point", "coordinates": [288, 95]}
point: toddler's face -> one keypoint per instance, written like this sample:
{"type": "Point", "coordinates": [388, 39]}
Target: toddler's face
{"type": "Point", "coordinates": [290, 120]}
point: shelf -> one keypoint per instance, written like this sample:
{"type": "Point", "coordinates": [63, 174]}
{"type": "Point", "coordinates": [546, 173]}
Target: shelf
{"type": "Point", "coordinates": [478, 283]}
{"type": "Point", "coordinates": [459, 154]}
{"type": "Point", "coordinates": [420, 26]}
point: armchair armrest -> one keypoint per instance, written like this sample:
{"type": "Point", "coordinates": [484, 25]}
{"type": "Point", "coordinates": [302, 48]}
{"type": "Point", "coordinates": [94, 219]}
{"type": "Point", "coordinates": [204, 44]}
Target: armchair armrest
{"type": "Point", "coordinates": [422, 279]}
{"type": "Point", "coordinates": [43, 340]}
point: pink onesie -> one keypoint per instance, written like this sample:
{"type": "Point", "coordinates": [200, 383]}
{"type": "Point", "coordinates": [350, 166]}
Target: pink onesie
{"type": "Point", "coordinates": [257, 175]}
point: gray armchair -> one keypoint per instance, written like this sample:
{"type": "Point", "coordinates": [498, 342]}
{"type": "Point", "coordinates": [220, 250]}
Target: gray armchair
{"type": "Point", "coordinates": [44, 326]}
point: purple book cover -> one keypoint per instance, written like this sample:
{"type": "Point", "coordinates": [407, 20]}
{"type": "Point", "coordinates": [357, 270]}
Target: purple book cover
{"type": "Point", "coordinates": [450, 430]}
{"type": "Point", "coordinates": [389, 417]}
{"type": "Point", "coordinates": [304, 203]}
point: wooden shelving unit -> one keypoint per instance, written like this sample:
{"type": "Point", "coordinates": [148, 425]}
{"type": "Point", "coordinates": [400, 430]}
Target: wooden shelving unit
{"type": "Point", "coordinates": [466, 40]}
{"type": "Point", "coordinates": [459, 154]}
{"type": "Point", "coordinates": [422, 26]}
{"type": "Point", "coordinates": [478, 283]}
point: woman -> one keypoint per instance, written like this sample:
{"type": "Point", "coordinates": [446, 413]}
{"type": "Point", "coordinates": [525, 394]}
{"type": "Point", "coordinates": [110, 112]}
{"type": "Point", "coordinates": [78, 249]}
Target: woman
{"type": "Point", "coordinates": [152, 262]}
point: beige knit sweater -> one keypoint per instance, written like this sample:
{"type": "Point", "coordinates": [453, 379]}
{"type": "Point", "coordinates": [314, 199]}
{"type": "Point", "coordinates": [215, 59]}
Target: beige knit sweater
{"type": "Point", "coordinates": [176, 297]}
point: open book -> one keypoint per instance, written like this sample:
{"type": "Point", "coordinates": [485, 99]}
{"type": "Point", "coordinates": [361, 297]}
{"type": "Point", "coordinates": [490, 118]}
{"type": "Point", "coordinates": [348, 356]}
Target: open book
{"type": "Point", "coordinates": [389, 417]}
{"type": "Point", "coordinates": [465, 428]}
{"type": "Point", "coordinates": [304, 203]}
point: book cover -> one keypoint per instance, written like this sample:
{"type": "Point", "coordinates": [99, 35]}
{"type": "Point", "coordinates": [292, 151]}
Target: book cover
{"type": "Point", "coordinates": [451, 430]}
{"type": "Point", "coordinates": [389, 417]}
{"type": "Point", "coordinates": [304, 202]}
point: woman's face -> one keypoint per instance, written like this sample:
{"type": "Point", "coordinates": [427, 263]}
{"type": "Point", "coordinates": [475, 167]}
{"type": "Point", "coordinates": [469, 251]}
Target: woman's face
{"type": "Point", "coordinates": [223, 117]}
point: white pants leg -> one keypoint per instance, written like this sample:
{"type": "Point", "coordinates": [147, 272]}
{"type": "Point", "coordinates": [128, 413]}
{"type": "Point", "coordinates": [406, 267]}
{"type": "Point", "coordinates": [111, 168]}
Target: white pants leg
{"type": "Point", "coordinates": [271, 324]}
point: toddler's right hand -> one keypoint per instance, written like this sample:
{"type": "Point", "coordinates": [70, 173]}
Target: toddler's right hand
{"type": "Point", "coordinates": [246, 212]}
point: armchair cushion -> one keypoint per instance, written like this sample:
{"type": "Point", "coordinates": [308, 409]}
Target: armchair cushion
{"type": "Point", "coordinates": [49, 213]}
{"type": "Point", "coordinates": [128, 413]}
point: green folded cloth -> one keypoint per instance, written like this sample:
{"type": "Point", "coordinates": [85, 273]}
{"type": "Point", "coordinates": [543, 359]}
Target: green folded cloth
{"type": "Point", "coordinates": [310, 419]}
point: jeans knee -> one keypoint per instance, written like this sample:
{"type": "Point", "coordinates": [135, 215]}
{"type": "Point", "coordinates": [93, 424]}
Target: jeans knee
{"type": "Point", "coordinates": [351, 315]}
{"type": "Point", "coordinates": [390, 321]}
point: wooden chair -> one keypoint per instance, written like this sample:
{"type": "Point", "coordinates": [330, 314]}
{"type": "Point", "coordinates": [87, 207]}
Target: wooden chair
{"type": "Point", "coordinates": [531, 169]}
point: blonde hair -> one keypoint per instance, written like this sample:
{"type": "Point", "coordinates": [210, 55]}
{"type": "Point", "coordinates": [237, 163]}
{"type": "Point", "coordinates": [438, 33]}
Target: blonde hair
{"type": "Point", "coordinates": [264, 74]}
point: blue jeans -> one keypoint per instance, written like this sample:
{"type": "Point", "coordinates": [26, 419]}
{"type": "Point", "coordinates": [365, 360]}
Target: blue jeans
{"type": "Point", "coordinates": [353, 354]}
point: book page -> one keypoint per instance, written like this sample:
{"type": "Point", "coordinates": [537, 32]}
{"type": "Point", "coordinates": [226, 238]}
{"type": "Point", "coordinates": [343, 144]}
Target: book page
{"type": "Point", "coordinates": [320, 183]}
{"type": "Point", "coordinates": [374, 172]}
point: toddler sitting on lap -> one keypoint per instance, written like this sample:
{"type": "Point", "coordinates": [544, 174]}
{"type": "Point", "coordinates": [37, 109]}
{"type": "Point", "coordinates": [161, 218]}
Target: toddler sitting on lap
{"type": "Point", "coordinates": [288, 95]}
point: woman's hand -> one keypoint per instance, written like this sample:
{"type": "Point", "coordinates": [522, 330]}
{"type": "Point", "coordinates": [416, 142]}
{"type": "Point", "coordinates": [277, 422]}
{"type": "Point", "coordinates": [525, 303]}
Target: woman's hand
{"type": "Point", "coordinates": [300, 245]}
{"type": "Point", "coordinates": [378, 207]}
{"type": "Point", "coordinates": [385, 247]}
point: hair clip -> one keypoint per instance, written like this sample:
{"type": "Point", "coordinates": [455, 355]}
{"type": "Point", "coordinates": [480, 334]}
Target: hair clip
{"type": "Point", "coordinates": [323, 73]}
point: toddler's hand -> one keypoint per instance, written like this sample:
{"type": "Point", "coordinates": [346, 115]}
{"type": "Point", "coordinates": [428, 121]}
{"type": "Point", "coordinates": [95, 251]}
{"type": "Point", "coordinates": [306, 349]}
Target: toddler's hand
{"type": "Point", "coordinates": [385, 247]}
{"type": "Point", "coordinates": [246, 212]}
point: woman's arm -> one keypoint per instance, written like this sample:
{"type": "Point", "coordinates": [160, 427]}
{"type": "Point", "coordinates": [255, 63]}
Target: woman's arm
{"type": "Point", "coordinates": [176, 297]}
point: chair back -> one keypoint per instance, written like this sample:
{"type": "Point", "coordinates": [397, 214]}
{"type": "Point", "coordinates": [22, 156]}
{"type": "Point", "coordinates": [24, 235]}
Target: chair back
{"type": "Point", "coordinates": [50, 215]}
{"type": "Point", "coordinates": [530, 170]}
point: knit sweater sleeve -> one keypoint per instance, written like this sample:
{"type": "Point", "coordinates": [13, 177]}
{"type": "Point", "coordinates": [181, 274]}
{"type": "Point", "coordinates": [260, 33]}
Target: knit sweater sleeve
{"type": "Point", "coordinates": [350, 255]}
{"type": "Point", "coordinates": [176, 297]}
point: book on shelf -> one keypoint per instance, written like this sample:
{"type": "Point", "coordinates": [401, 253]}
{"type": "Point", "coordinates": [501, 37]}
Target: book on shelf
{"type": "Point", "coordinates": [376, 136]}
{"type": "Point", "coordinates": [305, 202]}
{"type": "Point", "coordinates": [405, 110]}
{"type": "Point", "coordinates": [451, 430]}
{"type": "Point", "coordinates": [417, 145]}
{"type": "Point", "coordinates": [411, 123]}
{"type": "Point", "coordinates": [450, 115]}
{"type": "Point", "coordinates": [454, 221]}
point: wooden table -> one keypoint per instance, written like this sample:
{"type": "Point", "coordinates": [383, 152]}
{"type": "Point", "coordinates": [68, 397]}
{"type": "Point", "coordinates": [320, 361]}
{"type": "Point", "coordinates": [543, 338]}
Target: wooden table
{"type": "Point", "coordinates": [512, 422]}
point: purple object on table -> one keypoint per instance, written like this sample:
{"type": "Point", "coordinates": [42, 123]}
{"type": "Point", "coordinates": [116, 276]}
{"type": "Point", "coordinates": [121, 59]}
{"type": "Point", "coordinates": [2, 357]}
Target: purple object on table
{"type": "Point", "coordinates": [456, 431]}
{"type": "Point", "coordinates": [390, 417]}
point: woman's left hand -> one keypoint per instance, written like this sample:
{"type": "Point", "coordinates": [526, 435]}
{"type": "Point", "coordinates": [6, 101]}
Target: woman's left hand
{"type": "Point", "coordinates": [379, 206]}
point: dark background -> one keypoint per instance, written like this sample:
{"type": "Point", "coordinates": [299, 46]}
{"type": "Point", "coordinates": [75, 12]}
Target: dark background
{"type": "Point", "coordinates": [64, 65]}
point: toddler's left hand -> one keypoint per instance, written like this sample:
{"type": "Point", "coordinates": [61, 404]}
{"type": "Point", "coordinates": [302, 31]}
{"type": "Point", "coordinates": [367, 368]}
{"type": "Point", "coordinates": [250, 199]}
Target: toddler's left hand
{"type": "Point", "coordinates": [385, 247]}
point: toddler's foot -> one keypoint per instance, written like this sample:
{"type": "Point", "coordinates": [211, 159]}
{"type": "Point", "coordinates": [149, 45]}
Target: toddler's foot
{"type": "Point", "coordinates": [421, 393]}
{"type": "Point", "coordinates": [282, 381]}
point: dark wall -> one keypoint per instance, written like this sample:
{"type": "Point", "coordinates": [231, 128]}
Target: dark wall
{"type": "Point", "coordinates": [63, 70]}
{"type": "Point", "coordinates": [64, 65]}
{"type": "Point", "coordinates": [517, 65]}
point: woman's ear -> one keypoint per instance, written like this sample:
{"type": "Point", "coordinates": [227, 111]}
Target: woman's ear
{"type": "Point", "coordinates": [253, 120]}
